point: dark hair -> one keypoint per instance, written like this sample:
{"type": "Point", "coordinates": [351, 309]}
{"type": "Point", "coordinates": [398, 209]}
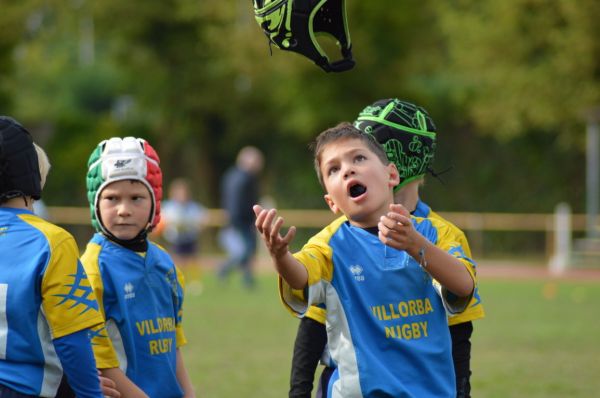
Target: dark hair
{"type": "Point", "coordinates": [344, 131]}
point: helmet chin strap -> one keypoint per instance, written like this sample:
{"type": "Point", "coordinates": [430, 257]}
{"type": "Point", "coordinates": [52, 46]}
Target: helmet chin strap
{"type": "Point", "coordinates": [137, 243]}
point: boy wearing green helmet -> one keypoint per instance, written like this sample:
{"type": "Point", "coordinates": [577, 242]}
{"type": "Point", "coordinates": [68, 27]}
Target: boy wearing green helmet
{"type": "Point", "coordinates": [408, 136]}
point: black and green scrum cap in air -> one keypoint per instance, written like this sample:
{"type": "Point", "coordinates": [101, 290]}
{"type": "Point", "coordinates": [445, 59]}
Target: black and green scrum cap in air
{"type": "Point", "coordinates": [293, 25]}
{"type": "Point", "coordinates": [406, 132]}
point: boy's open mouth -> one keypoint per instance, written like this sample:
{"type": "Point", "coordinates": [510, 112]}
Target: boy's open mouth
{"type": "Point", "coordinates": [357, 190]}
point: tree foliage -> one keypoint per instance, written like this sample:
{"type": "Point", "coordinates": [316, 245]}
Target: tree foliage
{"type": "Point", "coordinates": [198, 79]}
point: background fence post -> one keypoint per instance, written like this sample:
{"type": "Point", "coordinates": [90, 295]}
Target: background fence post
{"type": "Point", "coordinates": [562, 239]}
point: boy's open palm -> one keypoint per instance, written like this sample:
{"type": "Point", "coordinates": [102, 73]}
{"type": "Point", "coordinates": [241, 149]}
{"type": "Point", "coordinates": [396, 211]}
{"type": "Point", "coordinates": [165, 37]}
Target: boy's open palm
{"type": "Point", "coordinates": [269, 226]}
{"type": "Point", "coordinates": [396, 229]}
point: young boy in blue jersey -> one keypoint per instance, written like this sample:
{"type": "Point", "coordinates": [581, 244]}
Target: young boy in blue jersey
{"type": "Point", "coordinates": [408, 135]}
{"type": "Point", "coordinates": [385, 285]}
{"type": "Point", "coordinates": [139, 289]}
{"type": "Point", "coordinates": [47, 307]}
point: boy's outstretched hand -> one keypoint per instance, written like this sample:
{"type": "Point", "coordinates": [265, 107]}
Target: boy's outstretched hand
{"type": "Point", "coordinates": [270, 229]}
{"type": "Point", "coordinates": [396, 229]}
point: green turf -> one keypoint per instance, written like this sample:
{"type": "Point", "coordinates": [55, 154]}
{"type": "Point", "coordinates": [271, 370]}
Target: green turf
{"type": "Point", "coordinates": [539, 339]}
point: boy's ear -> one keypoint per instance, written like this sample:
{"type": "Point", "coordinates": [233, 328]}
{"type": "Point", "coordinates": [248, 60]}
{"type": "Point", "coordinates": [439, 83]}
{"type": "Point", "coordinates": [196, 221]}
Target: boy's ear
{"type": "Point", "coordinates": [394, 175]}
{"type": "Point", "coordinates": [331, 204]}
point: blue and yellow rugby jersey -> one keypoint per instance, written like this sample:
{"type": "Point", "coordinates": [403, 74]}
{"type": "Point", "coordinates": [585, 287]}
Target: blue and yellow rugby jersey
{"type": "Point", "coordinates": [449, 241]}
{"type": "Point", "coordinates": [475, 309]}
{"type": "Point", "coordinates": [141, 297]}
{"type": "Point", "coordinates": [44, 295]}
{"type": "Point", "coordinates": [382, 310]}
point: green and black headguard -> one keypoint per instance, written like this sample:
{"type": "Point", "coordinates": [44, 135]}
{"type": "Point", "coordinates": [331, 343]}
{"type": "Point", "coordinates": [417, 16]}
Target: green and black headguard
{"type": "Point", "coordinates": [293, 25]}
{"type": "Point", "coordinates": [406, 132]}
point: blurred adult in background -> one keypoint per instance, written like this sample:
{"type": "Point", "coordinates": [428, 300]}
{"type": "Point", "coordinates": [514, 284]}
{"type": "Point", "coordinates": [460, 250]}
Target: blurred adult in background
{"type": "Point", "coordinates": [183, 220]}
{"type": "Point", "coordinates": [239, 192]}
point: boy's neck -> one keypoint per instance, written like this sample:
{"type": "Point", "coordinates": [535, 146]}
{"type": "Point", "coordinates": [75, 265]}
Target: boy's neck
{"type": "Point", "coordinates": [25, 203]}
{"type": "Point", "coordinates": [372, 220]}
{"type": "Point", "coordinates": [408, 195]}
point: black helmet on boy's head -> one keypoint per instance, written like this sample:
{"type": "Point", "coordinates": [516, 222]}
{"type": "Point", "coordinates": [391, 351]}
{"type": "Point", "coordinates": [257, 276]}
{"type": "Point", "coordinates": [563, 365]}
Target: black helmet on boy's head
{"type": "Point", "coordinates": [406, 132]}
{"type": "Point", "coordinates": [19, 167]}
{"type": "Point", "coordinates": [293, 25]}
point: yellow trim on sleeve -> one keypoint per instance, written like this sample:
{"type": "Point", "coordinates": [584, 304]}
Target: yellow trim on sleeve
{"type": "Point", "coordinates": [316, 313]}
{"type": "Point", "coordinates": [56, 289]}
{"type": "Point", "coordinates": [104, 351]}
{"type": "Point", "coordinates": [474, 309]}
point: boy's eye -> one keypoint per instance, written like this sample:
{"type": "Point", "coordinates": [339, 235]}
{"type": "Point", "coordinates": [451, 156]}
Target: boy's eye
{"type": "Point", "coordinates": [359, 158]}
{"type": "Point", "coordinates": [332, 170]}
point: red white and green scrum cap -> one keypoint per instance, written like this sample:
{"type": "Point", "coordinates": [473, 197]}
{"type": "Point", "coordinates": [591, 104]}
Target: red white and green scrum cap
{"type": "Point", "coordinates": [119, 159]}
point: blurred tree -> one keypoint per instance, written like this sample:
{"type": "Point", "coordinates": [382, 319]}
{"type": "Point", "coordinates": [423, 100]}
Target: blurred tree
{"type": "Point", "coordinates": [196, 78]}
{"type": "Point", "coordinates": [523, 65]}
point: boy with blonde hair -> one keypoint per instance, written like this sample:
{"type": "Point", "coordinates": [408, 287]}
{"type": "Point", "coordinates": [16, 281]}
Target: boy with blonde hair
{"type": "Point", "coordinates": [47, 307]}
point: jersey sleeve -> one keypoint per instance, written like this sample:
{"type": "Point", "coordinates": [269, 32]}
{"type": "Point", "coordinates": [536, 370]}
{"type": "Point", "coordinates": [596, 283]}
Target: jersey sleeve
{"type": "Point", "coordinates": [104, 351]}
{"type": "Point", "coordinates": [317, 313]}
{"type": "Point", "coordinates": [180, 339]}
{"type": "Point", "coordinates": [78, 364]}
{"type": "Point", "coordinates": [68, 300]}
{"type": "Point", "coordinates": [451, 242]}
{"type": "Point", "coordinates": [475, 308]}
{"type": "Point", "coordinates": [316, 257]}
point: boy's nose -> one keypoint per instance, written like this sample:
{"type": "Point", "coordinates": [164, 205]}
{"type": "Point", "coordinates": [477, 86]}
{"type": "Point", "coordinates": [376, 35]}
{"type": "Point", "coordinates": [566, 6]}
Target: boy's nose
{"type": "Point", "coordinates": [124, 210]}
{"type": "Point", "coordinates": [348, 172]}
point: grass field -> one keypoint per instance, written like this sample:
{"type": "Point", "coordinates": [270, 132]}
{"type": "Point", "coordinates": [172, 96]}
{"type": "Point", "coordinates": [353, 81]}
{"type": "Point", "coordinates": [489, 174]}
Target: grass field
{"type": "Point", "coordinates": [539, 339]}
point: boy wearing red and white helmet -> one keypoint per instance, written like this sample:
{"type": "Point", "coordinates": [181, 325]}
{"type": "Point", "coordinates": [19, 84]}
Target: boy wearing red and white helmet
{"type": "Point", "coordinates": [139, 289]}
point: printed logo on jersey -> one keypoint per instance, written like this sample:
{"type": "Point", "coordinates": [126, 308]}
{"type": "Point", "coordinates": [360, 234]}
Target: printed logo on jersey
{"type": "Point", "coordinates": [129, 293]}
{"type": "Point", "coordinates": [404, 320]}
{"type": "Point", "coordinates": [3, 231]}
{"type": "Point", "coordinates": [80, 292]}
{"type": "Point", "coordinates": [357, 272]}
{"type": "Point", "coordinates": [162, 333]}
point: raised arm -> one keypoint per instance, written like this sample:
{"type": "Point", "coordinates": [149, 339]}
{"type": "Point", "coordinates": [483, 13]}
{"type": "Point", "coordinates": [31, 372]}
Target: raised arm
{"type": "Point", "coordinates": [269, 225]}
{"type": "Point", "coordinates": [396, 230]}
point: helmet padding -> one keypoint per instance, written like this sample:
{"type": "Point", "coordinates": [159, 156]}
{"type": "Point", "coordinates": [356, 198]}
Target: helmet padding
{"type": "Point", "coordinates": [406, 132]}
{"type": "Point", "coordinates": [293, 25]}
{"type": "Point", "coordinates": [19, 167]}
{"type": "Point", "coordinates": [119, 159]}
